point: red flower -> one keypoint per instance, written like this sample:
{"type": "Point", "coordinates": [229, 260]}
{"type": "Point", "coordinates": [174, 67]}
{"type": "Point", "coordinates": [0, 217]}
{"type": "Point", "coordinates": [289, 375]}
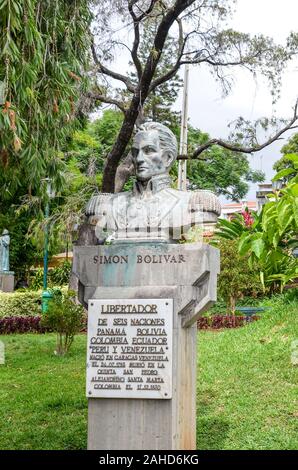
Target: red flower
{"type": "Point", "coordinates": [248, 220]}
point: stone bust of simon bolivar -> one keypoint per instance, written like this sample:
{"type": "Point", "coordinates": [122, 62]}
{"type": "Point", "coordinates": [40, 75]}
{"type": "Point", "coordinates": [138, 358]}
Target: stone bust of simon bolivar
{"type": "Point", "coordinates": [153, 210]}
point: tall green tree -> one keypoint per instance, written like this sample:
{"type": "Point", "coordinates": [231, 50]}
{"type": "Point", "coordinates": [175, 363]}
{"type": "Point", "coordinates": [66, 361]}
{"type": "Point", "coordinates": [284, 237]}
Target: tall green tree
{"type": "Point", "coordinates": [43, 57]}
{"type": "Point", "coordinates": [83, 156]}
{"type": "Point", "coordinates": [219, 169]}
{"type": "Point", "coordinates": [44, 50]}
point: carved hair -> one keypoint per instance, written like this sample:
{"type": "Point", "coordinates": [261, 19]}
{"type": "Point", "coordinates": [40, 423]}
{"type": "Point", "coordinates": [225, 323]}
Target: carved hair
{"type": "Point", "coordinates": [167, 139]}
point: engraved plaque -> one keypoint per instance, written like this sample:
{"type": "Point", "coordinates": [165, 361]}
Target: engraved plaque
{"type": "Point", "coordinates": [129, 350]}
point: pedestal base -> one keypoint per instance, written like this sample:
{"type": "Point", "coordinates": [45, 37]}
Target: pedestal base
{"type": "Point", "coordinates": [6, 281]}
{"type": "Point", "coordinates": [185, 273]}
{"type": "Point", "coordinates": [151, 424]}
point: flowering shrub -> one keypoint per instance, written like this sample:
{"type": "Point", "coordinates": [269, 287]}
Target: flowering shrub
{"type": "Point", "coordinates": [33, 324]}
{"type": "Point", "coordinates": [248, 219]}
{"type": "Point", "coordinates": [27, 324]}
{"type": "Point", "coordinates": [217, 322]}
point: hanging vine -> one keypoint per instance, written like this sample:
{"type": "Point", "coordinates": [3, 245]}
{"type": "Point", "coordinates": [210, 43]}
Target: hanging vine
{"type": "Point", "coordinates": [43, 62]}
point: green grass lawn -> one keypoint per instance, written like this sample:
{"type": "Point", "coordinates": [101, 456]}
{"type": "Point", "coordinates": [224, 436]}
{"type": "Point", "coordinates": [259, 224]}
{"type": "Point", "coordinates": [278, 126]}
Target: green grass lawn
{"type": "Point", "coordinates": [247, 388]}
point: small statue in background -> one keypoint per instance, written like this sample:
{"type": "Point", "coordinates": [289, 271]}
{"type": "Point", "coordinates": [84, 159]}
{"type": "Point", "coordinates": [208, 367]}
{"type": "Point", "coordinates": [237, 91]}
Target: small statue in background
{"type": "Point", "coordinates": [4, 251]}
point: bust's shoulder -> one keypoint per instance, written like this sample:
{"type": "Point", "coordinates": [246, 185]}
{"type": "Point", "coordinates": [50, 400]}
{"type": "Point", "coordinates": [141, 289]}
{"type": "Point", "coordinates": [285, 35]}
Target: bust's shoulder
{"type": "Point", "coordinates": [99, 202]}
{"type": "Point", "coordinates": [177, 193]}
{"type": "Point", "coordinates": [96, 203]}
{"type": "Point", "coordinates": [207, 200]}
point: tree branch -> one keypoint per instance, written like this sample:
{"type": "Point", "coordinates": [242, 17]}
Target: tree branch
{"type": "Point", "coordinates": [141, 93]}
{"type": "Point", "coordinates": [136, 25]}
{"type": "Point", "coordinates": [111, 73]}
{"type": "Point", "coordinates": [256, 148]}
{"type": "Point", "coordinates": [108, 100]}
{"type": "Point", "coordinates": [172, 72]}
{"type": "Point", "coordinates": [146, 12]}
{"type": "Point", "coordinates": [136, 42]}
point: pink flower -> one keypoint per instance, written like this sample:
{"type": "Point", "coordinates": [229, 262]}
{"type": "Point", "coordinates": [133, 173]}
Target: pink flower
{"type": "Point", "coordinates": [248, 220]}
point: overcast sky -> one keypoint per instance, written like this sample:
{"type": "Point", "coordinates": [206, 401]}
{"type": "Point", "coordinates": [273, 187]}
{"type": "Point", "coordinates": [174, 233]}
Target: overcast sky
{"type": "Point", "coordinates": [211, 113]}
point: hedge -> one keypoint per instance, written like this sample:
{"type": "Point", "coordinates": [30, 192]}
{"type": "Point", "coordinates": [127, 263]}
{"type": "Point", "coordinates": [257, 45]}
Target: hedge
{"type": "Point", "coordinates": [28, 324]}
{"type": "Point", "coordinates": [32, 324]}
{"type": "Point", "coordinates": [216, 322]}
{"type": "Point", "coordinates": [20, 304]}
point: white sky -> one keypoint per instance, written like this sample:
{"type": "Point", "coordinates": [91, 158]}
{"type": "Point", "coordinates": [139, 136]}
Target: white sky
{"type": "Point", "coordinates": [211, 113]}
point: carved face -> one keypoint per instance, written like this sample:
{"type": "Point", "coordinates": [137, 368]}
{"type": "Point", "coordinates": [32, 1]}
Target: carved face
{"type": "Point", "coordinates": [148, 157]}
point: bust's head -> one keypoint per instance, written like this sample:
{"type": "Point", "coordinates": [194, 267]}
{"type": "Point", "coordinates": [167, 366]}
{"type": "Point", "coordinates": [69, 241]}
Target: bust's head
{"type": "Point", "coordinates": [154, 150]}
{"type": "Point", "coordinates": [5, 232]}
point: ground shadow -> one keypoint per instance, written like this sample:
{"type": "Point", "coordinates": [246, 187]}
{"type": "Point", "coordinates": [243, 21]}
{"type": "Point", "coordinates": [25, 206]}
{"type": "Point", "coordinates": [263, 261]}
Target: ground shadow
{"type": "Point", "coordinates": [211, 433]}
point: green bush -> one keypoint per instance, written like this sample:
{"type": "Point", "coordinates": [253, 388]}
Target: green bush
{"type": "Point", "coordinates": [220, 307]}
{"type": "Point", "coordinates": [58, 276]}
{"type": "Point", "coordinates": [236, 279]}
{"type": "Point", "coordinates": [36, 279]}
{"type": "Point", "coordinates": [64, 317]}
{"type": "Point", "coordinates": [20, 303]}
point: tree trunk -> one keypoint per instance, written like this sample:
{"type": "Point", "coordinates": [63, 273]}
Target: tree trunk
{"type": "Point", "coordinates": [140, 95]}
{"type": "Point", "coordinates": [113, 159]}
{"type": "Point", "coordinates": [124, 171]}
{"type": "Point", "coordinates": [232, 305]}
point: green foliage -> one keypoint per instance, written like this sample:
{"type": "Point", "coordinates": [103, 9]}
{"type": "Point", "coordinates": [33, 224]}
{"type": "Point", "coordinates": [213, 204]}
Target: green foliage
{"type": "Point", "coordinates": [42, 65]}
{"type": "Point", "coordinates": [43, 62]}
{"type": "Point", "coordinates": [231, 229]}
{"type": "Point", "coordinates": [83, 159]}
{"type": "Point", "coordinates": [60, 274]}
{"type": "Point", "coordinates": [22, 251]}
{"type": "Point", "coordinates": [236, 278]}
{"type": "Point", "coordinates": [220, 307]}
{"type": "Point", "coordinates": [287, 150]}
{"type": "Point", "coordinates": [46, 387]}
{"type": "Point", "coordinates": [64, 317]}
{"type": "Point", "coordinates": [106, 129]}
{"type": "Point", "coordinates": [20, 303]}
{"type": "Point", "coordinates": [220, 170]}
{"type": "Point", "coordinates": [269, 241]}
{"type": "Point", "coordinates": [247, 413]}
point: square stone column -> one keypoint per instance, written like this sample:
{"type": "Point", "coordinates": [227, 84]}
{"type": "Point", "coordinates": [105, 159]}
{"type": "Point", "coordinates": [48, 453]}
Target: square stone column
{"type": "Point", "coordinates": [6, 281]}
{"type": "Point", "coordinates": [186, 273]}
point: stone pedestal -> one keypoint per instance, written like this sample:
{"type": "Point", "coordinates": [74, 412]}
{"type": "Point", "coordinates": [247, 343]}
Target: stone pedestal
{"type": "Point", "coordinates": [188, 275]}
{"type": "Point", "coordinates": [6, 281]}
